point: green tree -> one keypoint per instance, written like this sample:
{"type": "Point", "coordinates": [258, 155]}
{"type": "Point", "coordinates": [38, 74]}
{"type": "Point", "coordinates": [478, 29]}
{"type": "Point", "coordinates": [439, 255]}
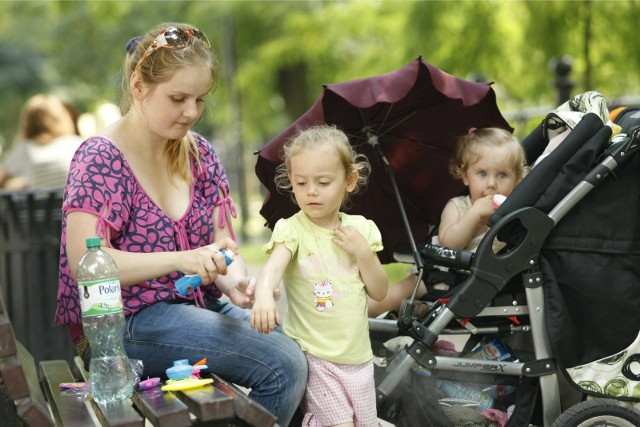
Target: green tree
{"type": "Point", "coordinates": [276, 55]}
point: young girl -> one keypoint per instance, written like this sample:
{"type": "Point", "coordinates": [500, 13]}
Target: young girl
{"type": "Point", "coordinates": [329, 266]}
{"type": "Point", "coordinates": [489, 161]}
{"type": "Point", "coordinates": [157, 195]}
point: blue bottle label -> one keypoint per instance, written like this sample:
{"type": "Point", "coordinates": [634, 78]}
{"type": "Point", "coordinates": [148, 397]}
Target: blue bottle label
{"type": "Point", "coordinates": [100, 297]}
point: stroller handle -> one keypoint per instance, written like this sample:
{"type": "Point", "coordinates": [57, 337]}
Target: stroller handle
{"type": "Point", "coordinates": [623, 145]}
{"type": "Point", "coordinates": [446, 257]}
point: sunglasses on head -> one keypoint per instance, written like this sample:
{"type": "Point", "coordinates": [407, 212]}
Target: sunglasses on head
{"type": "Point", "coordinates": [174, 38]}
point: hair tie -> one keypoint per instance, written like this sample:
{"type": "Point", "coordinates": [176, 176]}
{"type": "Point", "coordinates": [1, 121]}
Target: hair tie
{"type": "Point", "coordinates": [132, 43]}
{"type": "Point", "coordinates": [472, 129]}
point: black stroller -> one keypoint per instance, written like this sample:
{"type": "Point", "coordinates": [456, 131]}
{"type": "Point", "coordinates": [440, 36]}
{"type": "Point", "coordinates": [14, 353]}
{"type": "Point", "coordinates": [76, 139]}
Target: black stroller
{"type": "Point", "coordinates": [561, 303]}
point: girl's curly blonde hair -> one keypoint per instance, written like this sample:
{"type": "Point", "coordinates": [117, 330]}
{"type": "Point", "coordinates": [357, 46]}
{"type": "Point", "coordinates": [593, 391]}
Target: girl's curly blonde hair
{"type": "Point", "coordinates": [328, 135]}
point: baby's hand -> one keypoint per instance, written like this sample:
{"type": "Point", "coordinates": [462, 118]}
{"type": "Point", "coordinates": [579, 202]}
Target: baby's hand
{"type": "Point", "coordinates": [484, 207]}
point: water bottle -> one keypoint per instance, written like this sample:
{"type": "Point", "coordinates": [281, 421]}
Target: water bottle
{"type": "Point", "coordinates": [103, 323]}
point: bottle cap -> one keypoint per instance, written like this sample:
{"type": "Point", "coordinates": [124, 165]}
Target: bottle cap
{"type": "Point", "coordinates": [93, 242]}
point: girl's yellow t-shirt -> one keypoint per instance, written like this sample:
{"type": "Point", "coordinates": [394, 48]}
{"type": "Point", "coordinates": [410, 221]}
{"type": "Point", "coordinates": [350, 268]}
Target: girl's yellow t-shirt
{"type": "Point", "coordinates": [327, 300]}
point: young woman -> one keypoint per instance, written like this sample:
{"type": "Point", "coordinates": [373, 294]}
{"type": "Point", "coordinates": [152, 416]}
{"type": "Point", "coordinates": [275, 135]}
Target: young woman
{"type": "Point", "coordinates": [156, 193]}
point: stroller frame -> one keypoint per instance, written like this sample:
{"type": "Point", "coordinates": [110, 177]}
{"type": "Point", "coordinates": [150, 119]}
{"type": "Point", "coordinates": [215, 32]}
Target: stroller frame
{"type": "Point", "coordinates": [489, 274]}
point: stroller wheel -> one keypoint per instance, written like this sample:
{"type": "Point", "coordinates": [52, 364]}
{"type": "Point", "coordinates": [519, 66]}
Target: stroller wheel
{"type": "Point", "coordinates": [599, 413]}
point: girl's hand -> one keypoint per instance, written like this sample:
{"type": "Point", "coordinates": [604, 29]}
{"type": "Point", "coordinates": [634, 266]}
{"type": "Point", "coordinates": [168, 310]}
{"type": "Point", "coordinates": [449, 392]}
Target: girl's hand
{"type": "Point", "coordinates": [265, 315]}
{"type": "Point", "coordinates": [373, 275]}
{"type": "Point", "coordinates": [352, 241]}
{"type": "Point", "coordinates": [207, 261]}
{"type": "Point", "coordinates": [250, 290]}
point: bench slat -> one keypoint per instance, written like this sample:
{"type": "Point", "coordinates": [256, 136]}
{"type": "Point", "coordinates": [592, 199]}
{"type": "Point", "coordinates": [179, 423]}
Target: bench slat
{"type": "Point", "coordinates": [7, 340]}
{"type": "Point", "coordinates": [32, 409]}
{"type": "Point", "coordinates": [65, 407]}
{"type": "Point", "coordinates": [20, 386]}
{"type": "Point", "coordinates": [14, 380]}
{"type": "Point", "coordinates": [208, 403]}
{"type": "Point", "coordinates": [34, 413]}
{"type": "Point", "coordinates": [246, 408]}
{"type": "Point", "coordinates": [162, 409]}
{"type": "Point", "coordinates": [119, 414]}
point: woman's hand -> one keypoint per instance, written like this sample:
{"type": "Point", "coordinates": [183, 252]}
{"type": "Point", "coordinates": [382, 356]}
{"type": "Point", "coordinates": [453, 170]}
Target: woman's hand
{"type": "Point", "coordinates": [207, 261]}
{"type": "Point", "coordinates": [239, 295]}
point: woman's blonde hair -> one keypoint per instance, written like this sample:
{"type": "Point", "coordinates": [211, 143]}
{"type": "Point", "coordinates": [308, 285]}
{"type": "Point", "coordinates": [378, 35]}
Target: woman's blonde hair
{"type": "Point", "coordinates": [469, 149]}
{"type": "Point", "coordinates": [160, 67]}
{"type": "Point", "coordinates": [44, 118]}
{"type": "Point", "coordinates": [328, 135]}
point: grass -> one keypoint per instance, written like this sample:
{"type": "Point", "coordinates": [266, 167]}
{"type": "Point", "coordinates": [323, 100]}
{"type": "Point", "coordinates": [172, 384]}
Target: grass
{"type": "Point", "coordinates": [396, 272]}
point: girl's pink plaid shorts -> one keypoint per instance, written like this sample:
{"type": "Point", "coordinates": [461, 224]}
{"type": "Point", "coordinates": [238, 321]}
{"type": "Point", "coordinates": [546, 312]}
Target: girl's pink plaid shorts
{"type": "Point", "coordinates": [339, 393]}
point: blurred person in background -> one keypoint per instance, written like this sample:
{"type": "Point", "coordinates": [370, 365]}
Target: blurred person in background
{"type": "Point", "coordinates": [43, 147]}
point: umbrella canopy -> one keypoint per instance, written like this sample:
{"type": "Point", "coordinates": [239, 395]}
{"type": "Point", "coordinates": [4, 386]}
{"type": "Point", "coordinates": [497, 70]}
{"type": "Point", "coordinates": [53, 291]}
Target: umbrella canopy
{"type": "Point", "coordinates": [406, 120]}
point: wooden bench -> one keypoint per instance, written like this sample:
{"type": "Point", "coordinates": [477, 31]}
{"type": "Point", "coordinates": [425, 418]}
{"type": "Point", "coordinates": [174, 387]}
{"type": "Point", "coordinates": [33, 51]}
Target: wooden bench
{"type": "Point", "coordinates": [34, 398]}
{"type": "Point", "coordinates": [30, 229]}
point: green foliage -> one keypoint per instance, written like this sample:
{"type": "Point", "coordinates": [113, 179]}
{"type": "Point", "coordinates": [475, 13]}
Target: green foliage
{"type": "Point", "coordinates": [277, 54]}
{"type": "Point", "coordinates": [396, 272]}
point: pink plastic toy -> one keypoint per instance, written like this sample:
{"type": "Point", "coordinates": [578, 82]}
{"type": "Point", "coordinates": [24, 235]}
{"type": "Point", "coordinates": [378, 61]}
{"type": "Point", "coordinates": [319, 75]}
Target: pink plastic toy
{"type": "Point", "coordinates": [149, 383]}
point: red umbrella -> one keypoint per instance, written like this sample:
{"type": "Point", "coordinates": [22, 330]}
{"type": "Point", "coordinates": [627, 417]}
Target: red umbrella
{"type": "Point", "coordinates": [406, 122]}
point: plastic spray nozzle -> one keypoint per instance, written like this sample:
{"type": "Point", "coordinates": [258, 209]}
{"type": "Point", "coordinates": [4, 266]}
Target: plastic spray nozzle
{"type": "Point", "coordinates": [189, 282]}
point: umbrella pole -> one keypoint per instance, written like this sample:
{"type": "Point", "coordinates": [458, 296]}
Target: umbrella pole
{"type": "Point", "coordinates": [373, 140]}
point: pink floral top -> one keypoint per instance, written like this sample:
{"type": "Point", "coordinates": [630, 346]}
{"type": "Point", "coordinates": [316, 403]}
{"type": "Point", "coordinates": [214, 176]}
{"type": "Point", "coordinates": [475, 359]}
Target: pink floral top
{"type": "Point", "coordinates": [101, 182]}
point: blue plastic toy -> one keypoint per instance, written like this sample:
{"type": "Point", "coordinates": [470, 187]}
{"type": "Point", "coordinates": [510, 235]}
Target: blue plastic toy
{"type": "Point", "coordinates": [188, 283]}
{"type": "Point", "coordinates": [182, 370]}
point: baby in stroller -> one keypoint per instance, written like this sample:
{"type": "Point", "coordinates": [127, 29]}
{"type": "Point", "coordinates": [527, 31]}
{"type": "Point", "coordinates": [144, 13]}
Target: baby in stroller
{"type": "Point", "coordinates": [490, 162]}
{"type": "Point", "coordinates": [578, 271]}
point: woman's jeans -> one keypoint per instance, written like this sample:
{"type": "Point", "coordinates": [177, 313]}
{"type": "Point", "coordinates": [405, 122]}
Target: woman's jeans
{"type": "Point", "coordinates": [272, 366]}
